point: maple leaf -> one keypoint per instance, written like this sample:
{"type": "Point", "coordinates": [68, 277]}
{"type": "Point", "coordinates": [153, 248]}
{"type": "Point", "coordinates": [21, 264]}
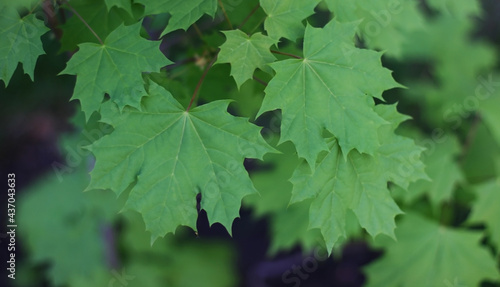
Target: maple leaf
{"type": "Point", "coordinates": [21, 42]}
{"type": "Point", "coordinates": [284, 18]}
{"type": "Point", "coordinates": [338, 185]}
{"type": "Point", "coordinates": [174, 155]}
{"type": "Point", "coordinates": [245, 54]}
{"type": "Point", "coordinates": [114, 68]}
{"type": "Point", "coordinates": [485, 208]}
{"type": "Point", "coordinates": [359, 183]}
{"type": "Point", "coordinates": [399, 156]}
{"type": "Point", "coordinates": [328, 90]}
{"type": "Point", "coordinates": [428, 254]}
{"type": "Point", "coordinates": [184, 13]}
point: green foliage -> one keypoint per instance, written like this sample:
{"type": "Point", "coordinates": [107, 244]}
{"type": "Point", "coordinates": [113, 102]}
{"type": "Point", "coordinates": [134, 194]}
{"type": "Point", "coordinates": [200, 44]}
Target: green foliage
{"type": "Point", "coordinates": [444, 173]}
{"type": "Point", "coordinates": [75, 245]}
{"type": "Point", "coordinates": [358, 184]}
{"type": "Point", "coordinates": [289, 222]}
{"type": "Point", "coordinates": [174, 155]}
{"type": "Point", "coordinates": [20, 43]}
{"type": "Point", "coordinates": [428, 254]}
{"type": "Point", "coordinates": [284, 18]}
{"type": "Point", "coordinates": [97, 16]}
{"type": "Point", "coordinates": [329, 89]}
{"type": "Point", "coordinates": [114, 68]}
{"type": "Point", "coordinates": [384, 25]}
{"type": "Point", "coordinates": [173, 261]}
{"type": "Point", "coordinates": [77, 248]}
{"type": "Point", "coordinates": [490, 103]}
{"type": "Point", "coordinates": [485, 209]}
{"type": "Point", "coordinates": [460, 9]}
{"type": "Point", "coordinates": [313, 73]}
{"type": "Point", "coordinates": [245, 54]}
{"type": "Point", "coordinates": [123, 4]}
{"type": "Point", "coordinates": [183, 13]}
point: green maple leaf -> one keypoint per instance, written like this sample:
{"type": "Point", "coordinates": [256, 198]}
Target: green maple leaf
{"type": "Point", "coordinates": [114, 68]}
{"type": "Point", "coordinates": [21, 42]}
{"type": "Point", "coordinates": [485, 209]}
{"type": "Point", "coordinates": [338, 185]}
{"type": "Point", "coordinates": [428, 254]}
{"type": "Point", "coordinates": [284, 18]}
{"type": "Point", "coordinates": [245, 54]}
{"type": "Point", "coordinates": [174, 155]}
{"type": "Point", "coordinates": [329, 90]}
{"type": "Point", "coordinates": [359, 183]}
{"type": "Point", "coordinates": [384, 24]}
{"type": "Point", "coordinates": [399, 156]}
{"type": "Point", "coordinates": [184, 13]}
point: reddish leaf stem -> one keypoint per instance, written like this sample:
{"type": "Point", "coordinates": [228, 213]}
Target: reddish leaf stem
{"type": "Point", "coordinates": [248, 16]}
{"type": "Point", "coordinates": [260, 81]}
{"type": "Point", "coordinates": [198, 86]}
{"type": "Point", "coordinates": [286, 54]}
{"type": "Point", "coordinates": [83, 20]}
{"type": "Point", "coordinates": [225, 14]}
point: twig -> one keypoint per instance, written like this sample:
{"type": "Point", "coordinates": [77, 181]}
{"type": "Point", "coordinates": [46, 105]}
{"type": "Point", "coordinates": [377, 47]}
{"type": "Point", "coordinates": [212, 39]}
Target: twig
{"type": "Point", "coordinates": [248, 16]}
{"type": "Point", "coordinates": [286, 54]}
{"type": "Point", "coordinates": [225, 14]}
{"type": "Point", "coordinates": [260, 81]}
{"type": "Point", "coordinates": [52, 21]}
{"type": "Point", "coordinates": [34, 7]}
{"type": "Point", "coordinates": [198, 31]}
{"type": "Point", "coordinates": [258, 25]}
{"type": "Point", "coordinates": [201, 82]}
{"type": "Point", "coordinates": [83, 20]}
